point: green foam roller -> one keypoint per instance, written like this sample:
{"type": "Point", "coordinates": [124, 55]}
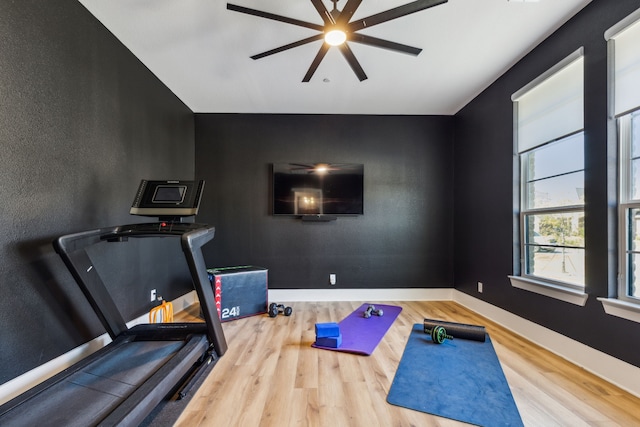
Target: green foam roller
{"type": "Point", "coordinates": [458, 330]}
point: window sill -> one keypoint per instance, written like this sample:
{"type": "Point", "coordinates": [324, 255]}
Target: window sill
{"type": "Point", "coordinates": [550, 290]}
{"type": "Point", "coordinates": [619, 308]}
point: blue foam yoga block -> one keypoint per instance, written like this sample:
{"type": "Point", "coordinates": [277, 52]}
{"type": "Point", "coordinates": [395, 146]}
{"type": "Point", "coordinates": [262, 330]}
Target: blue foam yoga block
{"type": "Point", "coordinates": [324, 330]}
{"type": "Point", "coordinates": [333, 342]}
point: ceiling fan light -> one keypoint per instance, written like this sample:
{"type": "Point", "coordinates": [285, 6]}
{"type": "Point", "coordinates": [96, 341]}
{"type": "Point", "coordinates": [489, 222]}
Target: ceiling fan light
{"type": "Point", "coordinates": [335, 37]}
{"type": "Point", "coordinates": [321, 168]}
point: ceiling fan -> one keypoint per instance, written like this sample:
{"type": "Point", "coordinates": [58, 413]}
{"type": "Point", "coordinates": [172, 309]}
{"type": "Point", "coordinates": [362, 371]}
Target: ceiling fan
{"type": "Point", "coordinates": [338, 23]}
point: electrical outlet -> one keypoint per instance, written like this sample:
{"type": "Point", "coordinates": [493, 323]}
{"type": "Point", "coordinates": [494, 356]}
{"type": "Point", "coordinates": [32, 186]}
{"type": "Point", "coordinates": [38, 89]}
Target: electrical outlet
{"type": "Point", "coordinates": [480, 287]}
{"type": "Point", "coordinates": [332, 279]}
{"type": "Point", "coordinates": [153, 295]}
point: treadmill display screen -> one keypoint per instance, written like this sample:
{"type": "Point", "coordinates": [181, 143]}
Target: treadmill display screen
{"type": "Point", "coordinates": [167, 199]}
{"type": "Point", "coordinates": [169, 194]}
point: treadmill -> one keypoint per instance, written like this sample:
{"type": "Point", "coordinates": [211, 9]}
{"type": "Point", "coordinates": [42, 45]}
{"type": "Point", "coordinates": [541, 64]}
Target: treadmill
{"type": "Point", "coordinates": [148, 364]}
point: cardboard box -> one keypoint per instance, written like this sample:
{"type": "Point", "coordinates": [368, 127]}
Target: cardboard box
{"type": "Point", "coordinates": [239, 291]}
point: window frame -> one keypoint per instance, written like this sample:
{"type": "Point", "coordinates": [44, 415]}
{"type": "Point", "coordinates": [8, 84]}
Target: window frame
{"type": "Point", "coordinates": [617, 303]}
{"type": "Point", "coordinates": [626, 203]}
{"type": "Point", "coordinates": [568, 292]}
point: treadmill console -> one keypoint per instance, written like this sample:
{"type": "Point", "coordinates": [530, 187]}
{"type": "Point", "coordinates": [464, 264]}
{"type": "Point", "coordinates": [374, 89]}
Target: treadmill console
{"type": "Point", "coordinates": [168, 200]}
{"type": "Point", "coordinates": [157, 229]}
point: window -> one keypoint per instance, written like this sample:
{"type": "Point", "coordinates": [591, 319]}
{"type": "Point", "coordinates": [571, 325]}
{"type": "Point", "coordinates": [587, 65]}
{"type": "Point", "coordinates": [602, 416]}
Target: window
{"type": "Point", "coordinates": [553, 211]}
{"type": "Point", "coordinates": [629, 222]}
{"type": "Point", "coordinates": [549, 142]}
{"type": "Point", "coordinates": [624, 50]}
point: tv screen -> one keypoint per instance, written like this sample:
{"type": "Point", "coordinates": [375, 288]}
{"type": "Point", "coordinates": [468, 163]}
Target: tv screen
{"type": "Point", "coordinates": [318, 189]}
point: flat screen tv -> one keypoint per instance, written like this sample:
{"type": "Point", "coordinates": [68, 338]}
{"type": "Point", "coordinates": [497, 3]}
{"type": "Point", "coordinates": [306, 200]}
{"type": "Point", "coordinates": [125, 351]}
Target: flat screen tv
{"type": "Point", "coordinates": [317, 189]}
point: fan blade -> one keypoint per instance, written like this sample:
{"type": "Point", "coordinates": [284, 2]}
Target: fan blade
{"type": "Point", "coordinates": [353, 62]}
{"type": "Point", "coordinates": [348, 11]}
{"type": "Point", "coordinates": [289, 46]}
{"type": "Point", "coordinates": [316, 62]}
{"type": "Point", "coordinates": [275, 17]}
{"type": "Point", "coordinates": [394, 13]}
{"type": "Point", "coordinates": [324, 13]}
{"type": "Point", "coordinates": [385, 44]}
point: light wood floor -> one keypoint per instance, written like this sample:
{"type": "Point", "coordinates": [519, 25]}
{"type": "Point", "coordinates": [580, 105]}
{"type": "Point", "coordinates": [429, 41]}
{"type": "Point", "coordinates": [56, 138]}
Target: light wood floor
{"type": "Point", "coordinates": [270, 376]}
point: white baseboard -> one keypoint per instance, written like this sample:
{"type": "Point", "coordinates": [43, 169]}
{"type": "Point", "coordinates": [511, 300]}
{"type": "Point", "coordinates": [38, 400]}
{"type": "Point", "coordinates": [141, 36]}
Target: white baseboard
{"type": "Point", "coordinates": [615, 371]}
{"type": "Point", "coordinates": [402, 294]}
{"type": "Point", "coordinates": [30, 379]}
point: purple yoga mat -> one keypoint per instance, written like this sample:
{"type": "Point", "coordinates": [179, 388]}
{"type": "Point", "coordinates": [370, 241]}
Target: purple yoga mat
{"type": "Point", "coordinates": [361, 335]}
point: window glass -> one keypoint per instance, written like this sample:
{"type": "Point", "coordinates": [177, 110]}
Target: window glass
{"type": "Point", "coordinates": [635, 134]}
{"type": "Point", "coordinates": [632, 287]}
{"type": "Point", "coordinates": [635, 154]}
{"type": "Point", "coordinates": [555, 246]}
{"type": "Point", "coordinates": [562, 190]}
{"type": "Point", "coordinates": [557, 157]}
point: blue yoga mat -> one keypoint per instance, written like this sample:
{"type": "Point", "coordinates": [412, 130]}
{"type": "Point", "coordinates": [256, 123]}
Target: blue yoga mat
{"type": "Point", "coordinates": [361, 335]}
{"type": "Point", "coordinates": [458, 379]}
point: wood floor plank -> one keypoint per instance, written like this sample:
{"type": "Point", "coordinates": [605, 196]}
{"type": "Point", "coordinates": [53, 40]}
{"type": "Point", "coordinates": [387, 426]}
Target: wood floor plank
{"type": "Point", "coordinates": [305, 410]}
{"type": "Point", "coordinates": [271, 376]}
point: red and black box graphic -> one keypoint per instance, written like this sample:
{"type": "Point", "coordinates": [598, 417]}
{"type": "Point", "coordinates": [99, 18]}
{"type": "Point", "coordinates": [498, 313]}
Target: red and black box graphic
{"type": "Point", "coordinates": [239, 291]}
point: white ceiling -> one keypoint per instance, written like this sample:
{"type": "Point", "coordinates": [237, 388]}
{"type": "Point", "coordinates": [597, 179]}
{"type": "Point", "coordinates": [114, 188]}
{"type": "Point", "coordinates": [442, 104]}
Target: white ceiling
{"type": "Point", "coordinates": [201, 51]}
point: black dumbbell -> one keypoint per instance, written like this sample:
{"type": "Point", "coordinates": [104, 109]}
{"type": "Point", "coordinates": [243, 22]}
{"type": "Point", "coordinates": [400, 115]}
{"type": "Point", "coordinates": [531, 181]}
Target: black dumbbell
{"type": "Point", "coordinates": [372, 310]}
{"type": "Point", "coordinates": [275, 309]}
{"type": "Point", "coordinates": [438, 334]}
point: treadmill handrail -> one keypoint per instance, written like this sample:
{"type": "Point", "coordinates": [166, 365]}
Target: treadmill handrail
{"type": "Point", "coordinates": [72, 249]}
{"type": "Point", "coordinates": [198, 268]}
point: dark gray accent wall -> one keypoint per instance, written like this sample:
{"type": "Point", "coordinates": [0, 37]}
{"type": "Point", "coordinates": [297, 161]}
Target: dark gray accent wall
{"type": "Point", "coordinates": [404, 238]}
{"type": "Point", "coordinates": [81, 122]}
{"type": "Point", "coordinates": [484, 190]}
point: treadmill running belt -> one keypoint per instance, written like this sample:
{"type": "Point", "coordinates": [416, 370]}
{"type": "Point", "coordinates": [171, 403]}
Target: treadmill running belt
{"type": "Point", "coordinates": [90, 394]}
